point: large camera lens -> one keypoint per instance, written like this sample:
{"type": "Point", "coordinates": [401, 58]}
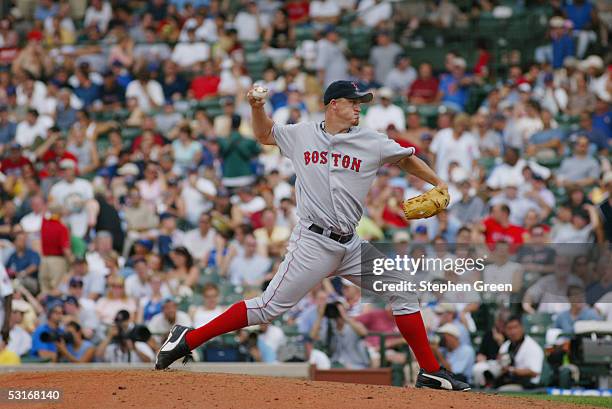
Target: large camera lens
{"type": "Point", "coordinates": [49, 337]}
{"type": "Point", "coordinates": [331, 311]}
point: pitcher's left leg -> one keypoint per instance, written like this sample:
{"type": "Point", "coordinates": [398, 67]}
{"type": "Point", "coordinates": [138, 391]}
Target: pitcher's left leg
{"type": "Point", "coordinates": [406, 311]}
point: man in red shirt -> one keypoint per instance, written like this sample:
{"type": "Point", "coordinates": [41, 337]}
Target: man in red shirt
{"type": "Point", "coordinates": [381, 321]}
{"type": "Point", "coordinates": [56, 254]}
{"type": "Point", "coordinates": [425, 88]}
{"type": "Point", "coordinates": [207, 84]}
{"type": "Point", "coordinates": [298, 11]}
{"type": "Point", "coordinates": [13, 164]}
{"type": "Point", "coordinates": [149, 135]}
{"type": "Point", "coordinates": [497, 228]}
{"type": "Point", "coordinates": [54, 148]}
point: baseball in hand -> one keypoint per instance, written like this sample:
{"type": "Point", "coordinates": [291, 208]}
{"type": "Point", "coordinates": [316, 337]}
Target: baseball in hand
{"type": "Point", "coordinates": [259, 92]}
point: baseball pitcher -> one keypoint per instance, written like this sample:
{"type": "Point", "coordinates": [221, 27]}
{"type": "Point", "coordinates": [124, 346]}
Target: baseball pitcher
{"type": "Point", "coordinates": [335, 162]}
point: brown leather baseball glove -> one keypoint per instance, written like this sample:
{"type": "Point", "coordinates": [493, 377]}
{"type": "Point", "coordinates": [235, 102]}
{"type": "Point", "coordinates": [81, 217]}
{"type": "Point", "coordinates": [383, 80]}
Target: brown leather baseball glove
{"type": "Point", "coordinates": [427, 204]}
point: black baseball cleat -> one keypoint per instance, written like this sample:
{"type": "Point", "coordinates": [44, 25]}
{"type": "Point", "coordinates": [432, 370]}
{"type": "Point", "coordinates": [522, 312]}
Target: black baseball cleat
{"type": "Point", "coordinates": [174, 348]}
{"type": "Point", "coordinates": [441, 379]}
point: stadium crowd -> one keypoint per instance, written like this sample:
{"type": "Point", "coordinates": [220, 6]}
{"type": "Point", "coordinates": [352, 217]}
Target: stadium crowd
{"type": "Point", "coordinates": [133, 196]}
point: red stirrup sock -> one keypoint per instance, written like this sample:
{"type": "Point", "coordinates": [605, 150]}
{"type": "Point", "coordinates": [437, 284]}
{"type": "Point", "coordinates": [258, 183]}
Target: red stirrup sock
{"type": "Point", "coordinates": [413, 330]}
{"type": "Point", "coordinates": [235, 317]}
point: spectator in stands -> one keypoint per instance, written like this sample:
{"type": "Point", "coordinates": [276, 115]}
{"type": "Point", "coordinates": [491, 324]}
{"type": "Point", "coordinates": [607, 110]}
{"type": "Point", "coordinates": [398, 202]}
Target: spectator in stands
{"type": "Point", "coordinates": [381, 321]}
{"type": "Point", "coordinates": [602, 114]}
{"type": "Point", "coordinates": [8, 128]}
{"type": "Point", "coordinates": [578, 311]}
{"type": "Point", "coordinates": [6, 294]}
{"type": "Point", "coordinates": [169, 316]}
{"type": "Point", "coordinates": [75, 348]}
{"type": "Point", "coordinates": [43, 345]}
{"type": "Point", "coordinates": [384, 114]}
{"type": "Point", "coordinates": [115, 300]}
{"type": "Point", "coordinates": [201, 241]}
{"type": "Point", "coordinates": [497, 227]}
{"type": "Point", "coordinates": [207, 83]}
{"type": "Point", "coordinates": [583, 228]}
{"type": "Point", "coordinates": [238, 154]}
{"type": "Point", "coordinates": [383, 55]}
{"type": "Point", "coordinates": [31, 131]}
{"type": "Point", "coordinates": [447, 314]}
{"type": "Point", "coordinates": [401, 77]}
{"type": "Point", "coordinates": [55, 249]}
{"type": "Point", "coordinates": [190, 51]}
{"type": "Point", "coordinates": [210, 307]}
{"type": "Point", "coordinates": [20, 340]}
{"type": "Point", "coordinates": [470, 208]}
{"type": "Point", "coordinates": [455, 356]}
{"type": "Point", "coordinates": [583, 16]}
{"type": "Point", "coordinates": [139, 216]}
{"type": "Point", "coordinates": [342, 336]}
{"type": "Point", "coordinates": [549, 293]}
{"type": "Point", "coordinates": [250, 268]}
{"type": "Point", "coordinates": [373, 12]}
{"type": "Point", "coordinates": [454, 87]}
{"type": "Point", "coordinates": [137, 284]}
{"type": "Point", "coordinates": [519, 361]}
{"type": "Point", "coordinates": [74, 195]}
{"type": "Point", "coordinates": [23, 263]}
{"type": "Point", "coordinates": [99, 13]}
{"type": "Point", "coordinates": [547, 142]}
{"type": "Point", "coordinates": [147, 91]}
{"type": "Point", "coordinates": [488, 352]}
{"type": "Point", "coordinates": [269, 341]}
{"type": "Point", "coordinates": [120, 347]}
{"type": "Point", "coordinates": [455, 144]}
{"type": "Point", "coordinates": [271, 238]}
{"type": "Point", "coordinates": [562, 45]}
{"type": "Point", "coordinates": [331, 63]}
{"type": "Point", "coordinates": [185, 274]}
{"type": "Point", "coordinates": [323, 12]}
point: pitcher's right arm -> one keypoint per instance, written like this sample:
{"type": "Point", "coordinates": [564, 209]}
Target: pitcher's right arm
{"type": "Point", "coordinates": [262, 124]}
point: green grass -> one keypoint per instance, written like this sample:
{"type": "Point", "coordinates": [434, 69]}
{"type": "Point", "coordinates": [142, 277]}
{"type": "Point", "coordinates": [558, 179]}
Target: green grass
{"type": "Point", "coordinates": [591, 401]}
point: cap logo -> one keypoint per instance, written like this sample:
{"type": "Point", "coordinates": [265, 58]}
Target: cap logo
{"type": "Point", "coordinates": [355, 86]}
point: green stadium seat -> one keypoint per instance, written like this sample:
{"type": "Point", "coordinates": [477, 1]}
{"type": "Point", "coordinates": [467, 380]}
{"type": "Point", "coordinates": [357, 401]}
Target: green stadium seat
{"type": "Point", "coordinates": [251, 46]}
{"type": "Point", "coordinates": [129, 134]}
{"type": "Point", "coordinates": [537, 324]}
{"type": "Point", "coordinates": [360, 41]}
{"type": "Point", "coordinates": [304, 33]}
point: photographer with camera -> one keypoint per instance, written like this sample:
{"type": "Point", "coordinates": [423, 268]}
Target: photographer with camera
{"type": "Point", "coordinates": [124, 343]}
{"type": "Point", "coordinates": [342, 336]}
{"type": "Point", "coordinates": [519, 361]}
{"type": "Point", "coordinates": [72, 347]}
{"type": "Point", "coordinates": [45, 335]}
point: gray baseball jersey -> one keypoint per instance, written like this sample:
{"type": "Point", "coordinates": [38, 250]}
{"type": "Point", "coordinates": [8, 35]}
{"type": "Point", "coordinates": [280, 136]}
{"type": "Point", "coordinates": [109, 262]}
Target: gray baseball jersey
{"type": "Point", "coordinates": [334, 174]}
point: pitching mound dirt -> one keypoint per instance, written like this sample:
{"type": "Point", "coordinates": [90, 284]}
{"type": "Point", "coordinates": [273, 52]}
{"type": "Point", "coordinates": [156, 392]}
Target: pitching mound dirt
{"type": "Point", "coordinates": [179, 389]}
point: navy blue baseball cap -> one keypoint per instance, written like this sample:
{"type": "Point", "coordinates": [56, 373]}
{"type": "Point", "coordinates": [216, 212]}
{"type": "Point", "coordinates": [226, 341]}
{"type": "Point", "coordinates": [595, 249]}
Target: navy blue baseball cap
{"type": "Point", "coordinates": [346, 89]}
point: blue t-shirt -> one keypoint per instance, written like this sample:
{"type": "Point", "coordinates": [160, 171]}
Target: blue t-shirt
{"type": "Point", "coordinates": [19, 263]}
{"type": "Point", "coordinates": [461, 360]}
{"type": "Point", "coordinates": [547, 136]}
{"type": "Point", "coordinates": [603, 123]}
{"type": "Point", "coordinates": [566, 322]}
{"type": "Point", "coordinates": [579, 14]}
{"type": "Point", "coordinates": [453, 93]}
{"type": "Point", "coordinates": [88, 95]}
{"type": "Point", "coordinates": [562, 47]}
{"type": "Point", "coordinates": [78, 354]}
{"type": "Point", "coordinates": [151, 309]}
{"type": "Point", "coordinates": [38, 345]}
{"type": "Point", "coordinates": [7, 132]}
